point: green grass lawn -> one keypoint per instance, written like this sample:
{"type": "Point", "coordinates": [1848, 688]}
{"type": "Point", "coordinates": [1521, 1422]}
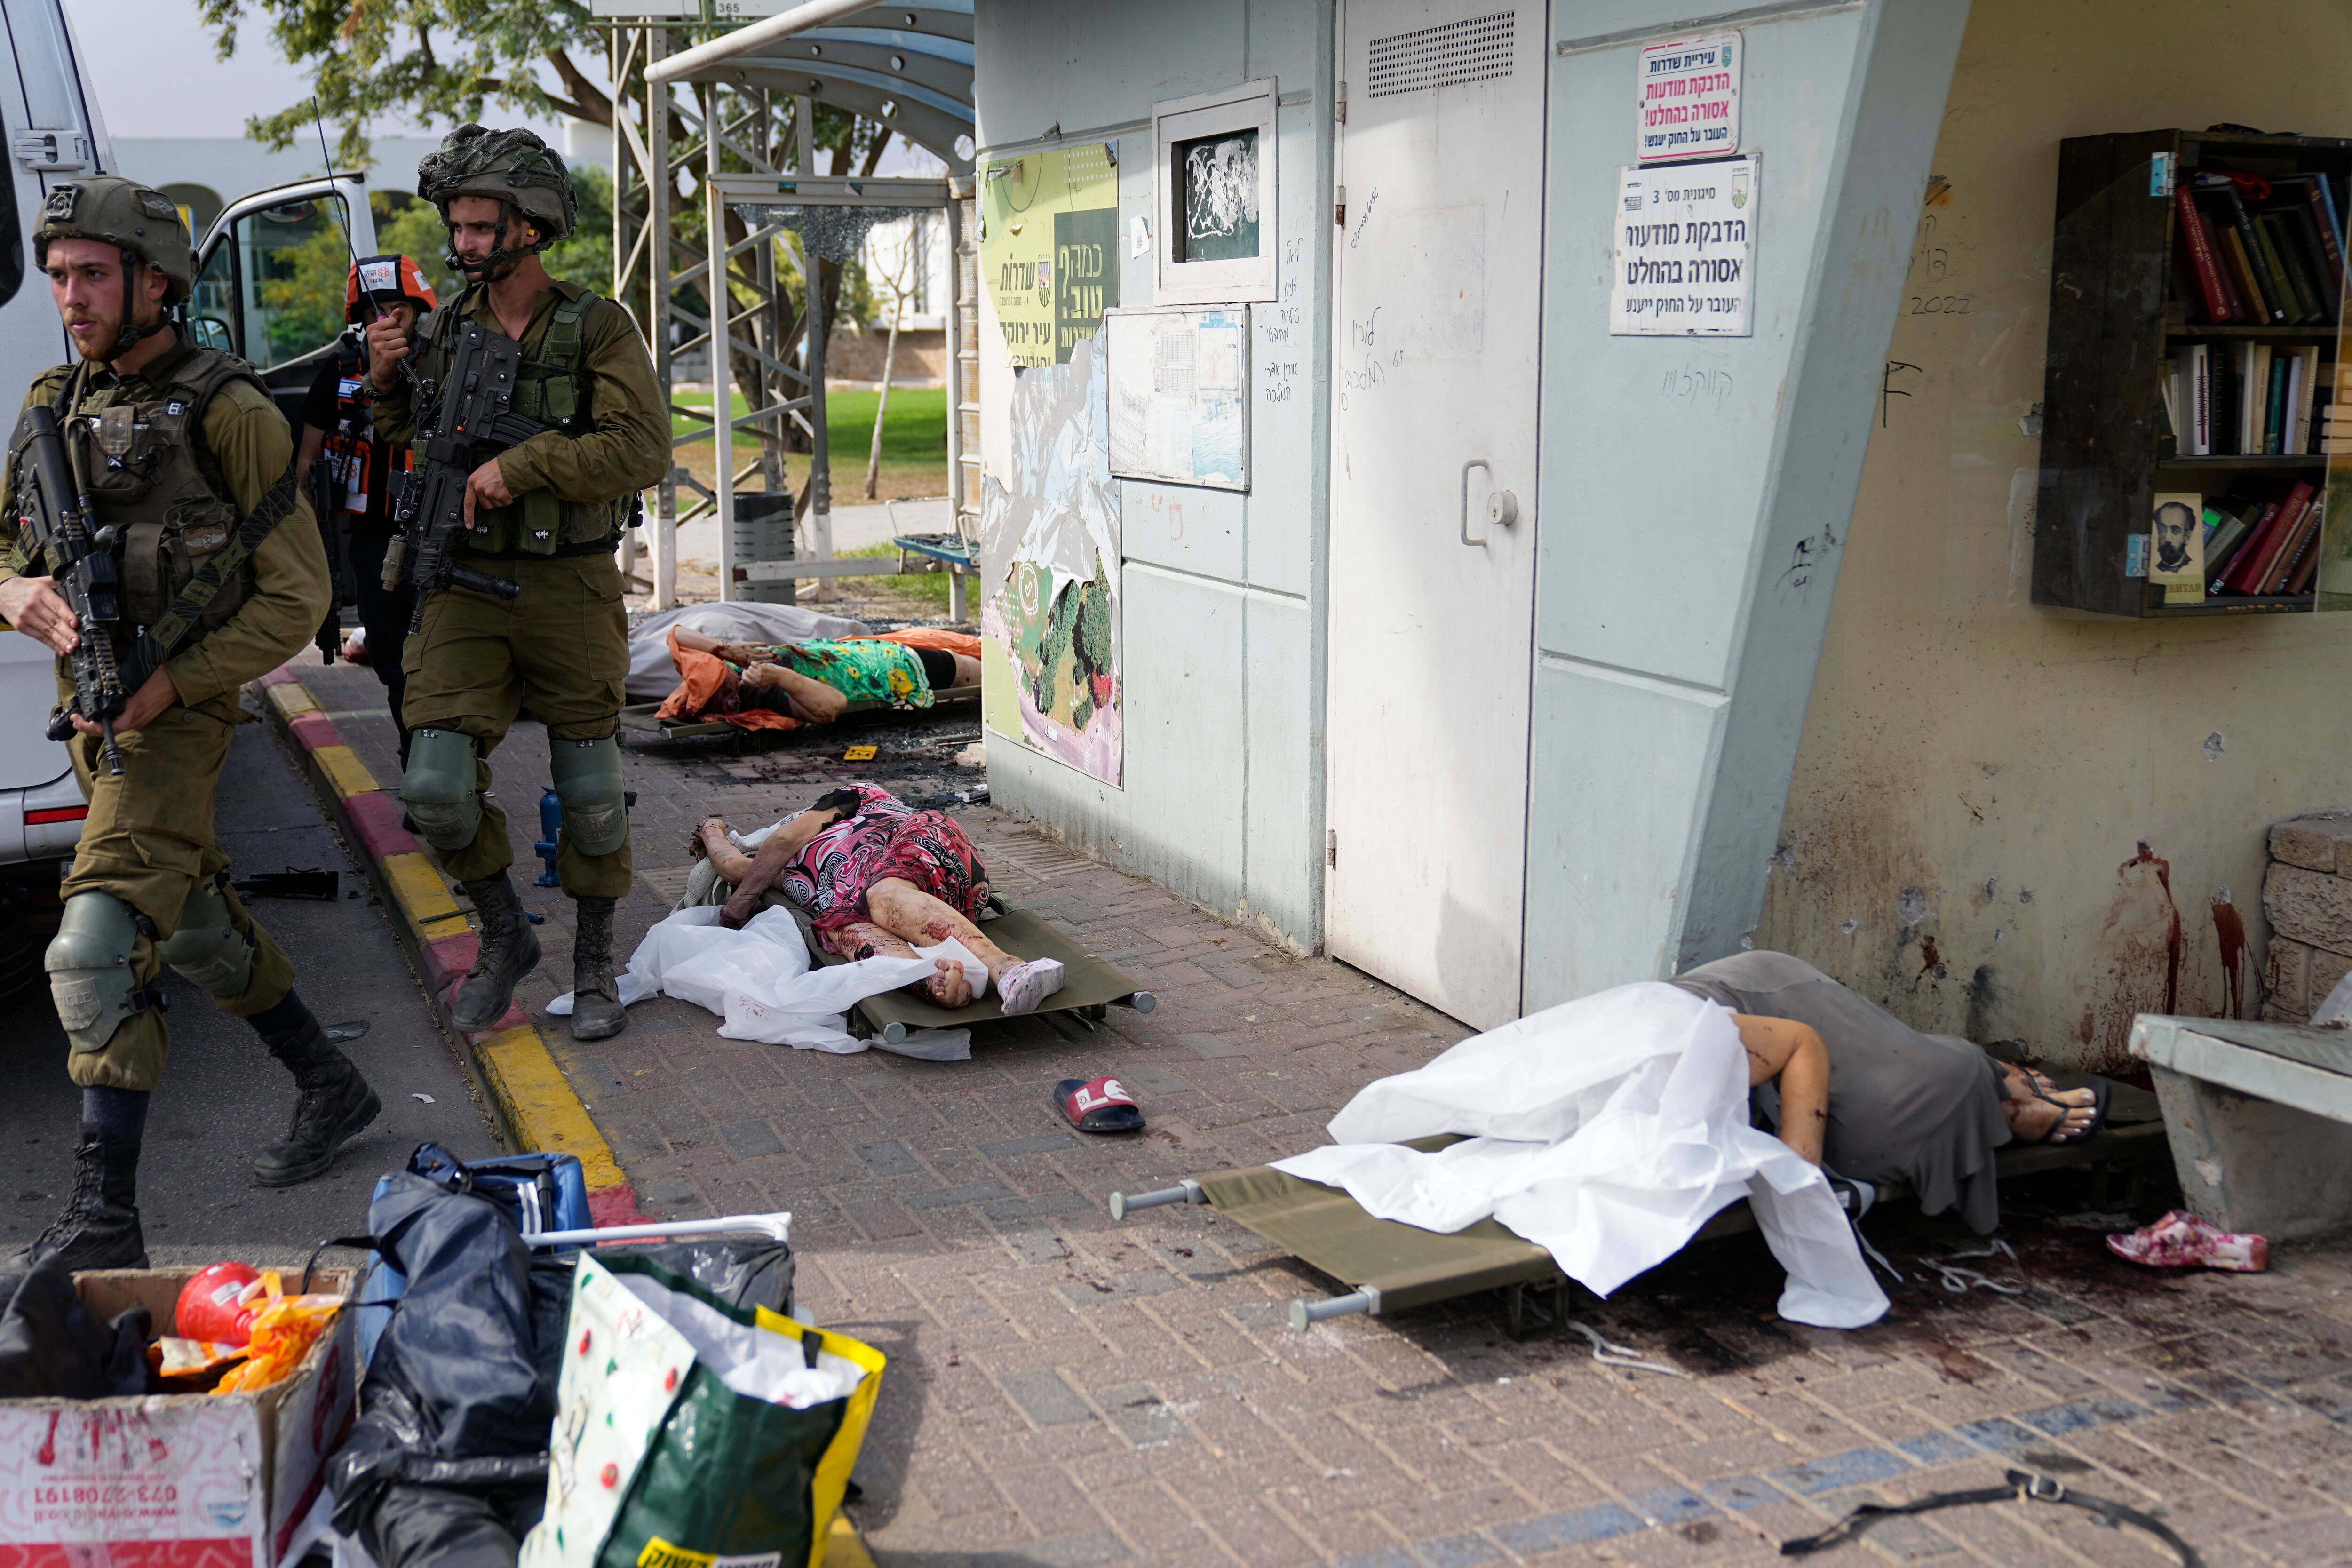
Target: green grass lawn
{"type": "Point", "coordinates": [915, 431]}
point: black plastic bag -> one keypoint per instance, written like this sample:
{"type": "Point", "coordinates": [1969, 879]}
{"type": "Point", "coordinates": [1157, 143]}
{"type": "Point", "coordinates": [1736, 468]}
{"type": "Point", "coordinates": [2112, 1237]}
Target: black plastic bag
{"type": "Point", "coordinates": [52, 1346]}
{"type": "Point", "coordinates": [447, 1462]}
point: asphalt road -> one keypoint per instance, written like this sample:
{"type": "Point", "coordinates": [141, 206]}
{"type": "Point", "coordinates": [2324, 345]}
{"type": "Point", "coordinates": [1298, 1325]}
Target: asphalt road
{"type": "Point", "coordinates": [223, 1096]}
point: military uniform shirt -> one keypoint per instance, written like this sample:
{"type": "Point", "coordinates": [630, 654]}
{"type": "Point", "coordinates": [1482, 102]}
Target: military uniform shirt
{"type": "Point", "coordinates": [251, 446]}
{"type": "Point", "coordinates": [628, 450]}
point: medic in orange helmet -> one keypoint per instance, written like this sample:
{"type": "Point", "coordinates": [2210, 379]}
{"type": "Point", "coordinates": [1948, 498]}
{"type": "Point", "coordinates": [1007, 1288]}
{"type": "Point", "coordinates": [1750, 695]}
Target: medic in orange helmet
{"type": "Point", "coordinates": [339, 426]}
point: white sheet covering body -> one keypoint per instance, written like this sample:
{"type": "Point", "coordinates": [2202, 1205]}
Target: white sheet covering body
{"type": "Point", "coordinates": [762, 981]}
{"type": "Point", "coordinates": [1607, 1131]}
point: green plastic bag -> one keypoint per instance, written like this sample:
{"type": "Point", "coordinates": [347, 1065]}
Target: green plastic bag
{"type": "Point", "coordinates": [693, 1434]}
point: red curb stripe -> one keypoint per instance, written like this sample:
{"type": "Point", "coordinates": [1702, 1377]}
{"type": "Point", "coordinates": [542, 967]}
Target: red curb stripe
{"type": "Point", "coordinates": [374, 820]}
{"type": "Point", "coordinates": [282, 676]}
{"type": "Point", "coordinates": [615, 1205]}
{"type": "Point", "coordinates": [449, 958]}
{"type": "Point", "coordinates": [313, 731]}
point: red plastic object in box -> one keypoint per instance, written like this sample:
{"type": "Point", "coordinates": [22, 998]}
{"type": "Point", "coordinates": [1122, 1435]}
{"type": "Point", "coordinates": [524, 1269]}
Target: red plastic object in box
{"type": "Point", "coordinates": [213, 1305]}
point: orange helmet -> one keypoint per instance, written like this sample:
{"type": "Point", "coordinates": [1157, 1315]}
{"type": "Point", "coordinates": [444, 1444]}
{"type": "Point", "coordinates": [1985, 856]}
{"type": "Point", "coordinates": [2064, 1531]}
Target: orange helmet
{"type": "Point", "coordinates": [384, 280]}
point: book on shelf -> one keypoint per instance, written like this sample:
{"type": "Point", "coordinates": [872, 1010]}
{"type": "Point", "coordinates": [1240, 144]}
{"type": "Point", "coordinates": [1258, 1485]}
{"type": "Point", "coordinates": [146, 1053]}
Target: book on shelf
{"type": "Point", "coordinates": [2274, 415]}
{"type": "Point", "coordinates": [2295, 545]}
{"type": "Point", "coordinates": [2310, 257]}
{"type": "Point", "coordinates": [2205, 266]}
{"type": "Point", "coordinates": [2307, 567]}
{"type": "Point", "coordinates": [2256, 563]}
{"type": "Point", "coordinates": [2269, 297]}
{"type": "Point", "coordinates": [2254, 518]}
{"type": "Point", "coordinates": [2294, 293]}
{"type": "Point", "coordinates": [2222, 532]}
{"type": "Point", "coordinates": [2302, 391]}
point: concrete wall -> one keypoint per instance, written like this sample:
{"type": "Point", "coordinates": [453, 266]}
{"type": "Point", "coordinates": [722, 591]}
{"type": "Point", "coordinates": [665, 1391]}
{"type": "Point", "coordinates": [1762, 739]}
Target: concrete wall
{"type": "Point", "coordinates": [1222, 655]}
{"type": "Point", "coordinates": [1696, 492]}
{"type": "Point", "coordinates": [2012, 821]}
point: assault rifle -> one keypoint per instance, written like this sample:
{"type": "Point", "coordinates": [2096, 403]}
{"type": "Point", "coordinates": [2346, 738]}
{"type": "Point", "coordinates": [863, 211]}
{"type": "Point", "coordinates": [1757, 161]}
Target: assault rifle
{"type": "Point", "coordinates": [462, 423]}
{"type": "Point", "coordinates": [81, 562]}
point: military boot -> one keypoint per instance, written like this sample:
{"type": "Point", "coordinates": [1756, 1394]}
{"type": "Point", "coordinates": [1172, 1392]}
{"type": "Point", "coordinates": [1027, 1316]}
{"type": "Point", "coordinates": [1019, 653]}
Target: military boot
{"type": "Point", "coordinates": [510, 950]}
{"type": "Point", "coordinates": [99, 1227]}
{"type": "Point", "coordinates": [334, 1105]}
{"type": "Point", "coordinates": [596, 1010]}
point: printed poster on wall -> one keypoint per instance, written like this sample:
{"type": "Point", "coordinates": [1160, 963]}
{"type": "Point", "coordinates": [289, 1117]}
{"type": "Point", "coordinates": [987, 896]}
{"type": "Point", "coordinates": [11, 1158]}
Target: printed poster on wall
{"type": "Point", "coordinates": [1049, 248]}
{"type": "Point", "coordinates": [1050, 542]}
{"type": "Point", "coordinates": [1685, 245]}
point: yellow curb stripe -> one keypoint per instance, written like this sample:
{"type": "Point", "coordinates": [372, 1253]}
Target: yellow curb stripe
{"type": "Point", "coordinates": [291, 698]}
{"type": "Point", "coordinates": [532, 1096]}
{"type": "Point", "coordinates": [844, 1547]}
{"type": "Point", "coordinates": [422, 897]}
{"type": "Point", "coordinates": [344, 771]}
{"type": "Point", "coordinates": [539, 1103]}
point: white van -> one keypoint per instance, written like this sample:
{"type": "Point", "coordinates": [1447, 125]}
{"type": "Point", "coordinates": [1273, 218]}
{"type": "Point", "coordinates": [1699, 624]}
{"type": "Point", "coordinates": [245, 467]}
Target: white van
{"type": "Point", "coordinates": [55, 134]}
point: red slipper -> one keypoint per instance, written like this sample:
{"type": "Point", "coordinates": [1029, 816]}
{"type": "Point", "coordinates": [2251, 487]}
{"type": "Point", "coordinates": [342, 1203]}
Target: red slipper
{"type": "Point", "coordinates": [1101, 1105]}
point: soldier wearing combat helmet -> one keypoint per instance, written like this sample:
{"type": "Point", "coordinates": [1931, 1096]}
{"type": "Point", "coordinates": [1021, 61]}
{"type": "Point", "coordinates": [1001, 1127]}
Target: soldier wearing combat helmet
{"type": "Point", "coordinates": [188, 464]}
{"type": "Point", "coordinates": [547, 514]}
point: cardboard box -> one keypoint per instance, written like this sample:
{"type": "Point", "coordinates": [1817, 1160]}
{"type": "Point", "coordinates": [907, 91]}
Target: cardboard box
{"type": "Point", "coordinates": [197, 1481]}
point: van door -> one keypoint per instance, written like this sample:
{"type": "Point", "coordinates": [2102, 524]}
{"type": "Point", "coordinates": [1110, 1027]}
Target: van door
{"type": "Point", "coordinates": [270, 278]}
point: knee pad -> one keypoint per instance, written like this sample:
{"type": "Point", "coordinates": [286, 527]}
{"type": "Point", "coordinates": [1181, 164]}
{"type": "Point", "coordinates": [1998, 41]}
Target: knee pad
{"type": "Point", "coordinates": [89, 965]}
{"type": "Point", "coordinates": [589, 783]}
{"type": "Point", "coordinates": [206, 951]}
{"type": "Point", "coordinates": [439, 790]}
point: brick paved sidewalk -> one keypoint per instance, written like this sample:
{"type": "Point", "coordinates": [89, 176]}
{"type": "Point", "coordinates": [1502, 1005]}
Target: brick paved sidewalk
{"type": "Point", "coordinates": [1066, 1392]}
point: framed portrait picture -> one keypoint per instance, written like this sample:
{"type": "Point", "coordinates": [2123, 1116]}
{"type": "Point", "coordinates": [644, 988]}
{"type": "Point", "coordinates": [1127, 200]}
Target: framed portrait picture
{"type": "Point", "coordinates": [1212, 202]}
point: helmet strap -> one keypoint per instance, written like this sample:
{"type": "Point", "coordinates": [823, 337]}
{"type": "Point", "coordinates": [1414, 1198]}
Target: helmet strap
{"type": "Point", "coordinates": [499, 254]}
{"type": "Point", "coordinates": [128, 337]}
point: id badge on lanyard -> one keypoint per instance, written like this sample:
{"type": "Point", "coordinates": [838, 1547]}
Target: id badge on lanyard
{"type": "Point", "coordinates": [352, 459]}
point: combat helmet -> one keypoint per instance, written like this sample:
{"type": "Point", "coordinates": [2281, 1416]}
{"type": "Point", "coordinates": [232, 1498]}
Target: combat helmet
{"type": "Point", "coordinates": [513, 168]}
{"type": "Point", "coordinates": [143, 223]}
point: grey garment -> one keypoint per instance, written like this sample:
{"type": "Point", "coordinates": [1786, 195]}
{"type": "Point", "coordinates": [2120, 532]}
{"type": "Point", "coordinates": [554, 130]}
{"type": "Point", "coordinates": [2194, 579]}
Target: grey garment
{"type": "Point", "coordinates": [1922, 1108]}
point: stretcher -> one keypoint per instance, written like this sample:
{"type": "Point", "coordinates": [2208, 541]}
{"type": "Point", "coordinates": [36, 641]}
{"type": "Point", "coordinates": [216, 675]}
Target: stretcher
{"type": "Point", "coordinates": [639, 716]}
{"type": "Point", "coordinates": [1391, 1267]}
{"type": "Point", "coordinates": [1090, 985]}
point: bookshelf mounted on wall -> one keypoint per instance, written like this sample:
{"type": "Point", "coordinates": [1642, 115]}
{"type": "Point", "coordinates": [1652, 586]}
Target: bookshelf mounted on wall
{"type": "Point", "coordinates": [2196, 298]}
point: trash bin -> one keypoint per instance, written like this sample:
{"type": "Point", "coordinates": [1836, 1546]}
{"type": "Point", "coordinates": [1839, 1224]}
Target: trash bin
{"type": "Point", "coordinates": [763, 532]}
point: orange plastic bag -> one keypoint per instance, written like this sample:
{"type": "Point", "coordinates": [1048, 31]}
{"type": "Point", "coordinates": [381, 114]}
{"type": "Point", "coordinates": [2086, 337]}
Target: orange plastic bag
{"type": "Point", "coordinates": [283, 1333]}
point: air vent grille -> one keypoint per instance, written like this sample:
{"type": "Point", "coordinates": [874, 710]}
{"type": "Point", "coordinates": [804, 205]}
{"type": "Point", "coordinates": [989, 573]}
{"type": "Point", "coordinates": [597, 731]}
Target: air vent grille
{"type": "Point", "coordinates": [1476, 49]}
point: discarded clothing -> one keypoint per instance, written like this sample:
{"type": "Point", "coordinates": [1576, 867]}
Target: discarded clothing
{"type": "Point", "coordinates": [1607, 1131]}
{"type": "Point", "coordinates": [52, 1346]}
{"type": "Point", "coordinates": [1920, 1109]}
{"type": "Point", "coordinates": [2182, 1240]}
{"type": "Point", "coordinates": [761, 981]}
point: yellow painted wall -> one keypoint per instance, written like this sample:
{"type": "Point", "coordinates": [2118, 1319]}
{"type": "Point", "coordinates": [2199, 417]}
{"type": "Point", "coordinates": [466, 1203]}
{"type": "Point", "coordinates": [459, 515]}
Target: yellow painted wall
{"type": "Point", "coordinates": [1964, 830]}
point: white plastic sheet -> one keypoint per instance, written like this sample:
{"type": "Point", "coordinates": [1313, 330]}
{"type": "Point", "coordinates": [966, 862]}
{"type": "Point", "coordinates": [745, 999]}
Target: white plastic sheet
{"type": "Point", "coordinates": [1607, 1131]}
{"type": "Point", "coordinates": [762, 982]}
{"type": "Point", "coordinates": [653, 674]}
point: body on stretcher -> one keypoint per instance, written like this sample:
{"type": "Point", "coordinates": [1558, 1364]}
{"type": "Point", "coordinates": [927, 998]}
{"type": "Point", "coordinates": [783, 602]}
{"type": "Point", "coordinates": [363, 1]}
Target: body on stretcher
{"type": "Point", "coordinates": [639, 716]}
{"type": "Point", "coordinates": [1391, 1266]}
{"type": "Point", "coordinates": [1090, 985]}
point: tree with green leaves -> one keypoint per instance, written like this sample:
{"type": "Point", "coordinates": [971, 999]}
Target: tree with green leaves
{"type": "Point", "coordinates": [429, 61]}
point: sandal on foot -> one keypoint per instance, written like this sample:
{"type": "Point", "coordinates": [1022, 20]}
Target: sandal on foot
{"type": "Point", "coordinates": [2101, 1092]}
{"type": "Point", "coordinates": [1098, 1105]}
{"type": "Point", "coordinates": [2182, 1240]}
{"type": "Point", "coordinates": [1024, 987]}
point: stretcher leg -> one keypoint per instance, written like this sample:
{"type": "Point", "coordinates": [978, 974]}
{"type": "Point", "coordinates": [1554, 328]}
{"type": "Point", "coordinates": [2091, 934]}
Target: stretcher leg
{"type": "Point", "coordinates": [1305, 1313]}
{"type": "Point", "coordinates": [1190, 1191]}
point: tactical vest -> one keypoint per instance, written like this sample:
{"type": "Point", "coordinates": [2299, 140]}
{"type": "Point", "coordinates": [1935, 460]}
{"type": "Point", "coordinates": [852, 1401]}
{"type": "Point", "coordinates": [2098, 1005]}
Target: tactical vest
{"type": "Point", "coordinates": [553, 390]}
{"type": "Point", "coordinates": [364, 465]}
{"type": "Point", "coordinates": [151, 479]}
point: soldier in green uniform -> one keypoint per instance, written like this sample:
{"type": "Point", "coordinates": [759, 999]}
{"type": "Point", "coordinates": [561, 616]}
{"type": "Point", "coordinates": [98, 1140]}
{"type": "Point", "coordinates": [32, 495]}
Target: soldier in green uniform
{"type": "Point", "coordinates": [187, 461]}
{"type": "Point", "coordinates": [546, 513]}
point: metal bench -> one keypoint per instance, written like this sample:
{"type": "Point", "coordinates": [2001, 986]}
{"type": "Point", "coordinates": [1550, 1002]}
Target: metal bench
{"type": "Point", "coordinates": [2260, 1120]}
{"type": "Point", "coordinates": [949, 552]}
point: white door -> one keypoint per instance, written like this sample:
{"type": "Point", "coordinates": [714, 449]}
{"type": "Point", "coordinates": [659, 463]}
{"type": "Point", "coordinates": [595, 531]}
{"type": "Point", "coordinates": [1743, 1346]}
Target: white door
{"type": "Point", "coordinates": [1433, 496]}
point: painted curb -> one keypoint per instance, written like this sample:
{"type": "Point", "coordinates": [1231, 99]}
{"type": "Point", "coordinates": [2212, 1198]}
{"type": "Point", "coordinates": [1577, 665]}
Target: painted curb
{"type": "Point", "coordinates": [515, 1063]}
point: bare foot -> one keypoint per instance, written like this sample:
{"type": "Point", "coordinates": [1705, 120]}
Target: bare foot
{"type": "Point", "coordinates": [697, 843]}
{"type": "Point", "coordinates": [949, 987]}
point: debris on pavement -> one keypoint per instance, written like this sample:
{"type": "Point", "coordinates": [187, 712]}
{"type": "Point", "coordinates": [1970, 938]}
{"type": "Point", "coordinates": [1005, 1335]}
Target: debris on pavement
{"type": "Point", "coordinates": [2182, 1240]}
{"type": "Point", "coordinates": [321, 885]}
{"type": "Point", "coordinates": [1626, 1356]}
{"type": "Point", "coordinates": [1098, 1105]}
{"type": "Point", "coordinates": [2021, 1486]}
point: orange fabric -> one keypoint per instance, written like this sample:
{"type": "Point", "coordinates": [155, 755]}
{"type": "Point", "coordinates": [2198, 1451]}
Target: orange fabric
{"type": "Point", "coordinates": [935, 637]}
{"type": "Point", "coordinates": [704, 678]}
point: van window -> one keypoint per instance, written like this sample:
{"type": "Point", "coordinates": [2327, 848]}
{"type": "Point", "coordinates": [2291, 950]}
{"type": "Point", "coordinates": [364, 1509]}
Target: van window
{"type": "Point", "coordinates": [276, 282]}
